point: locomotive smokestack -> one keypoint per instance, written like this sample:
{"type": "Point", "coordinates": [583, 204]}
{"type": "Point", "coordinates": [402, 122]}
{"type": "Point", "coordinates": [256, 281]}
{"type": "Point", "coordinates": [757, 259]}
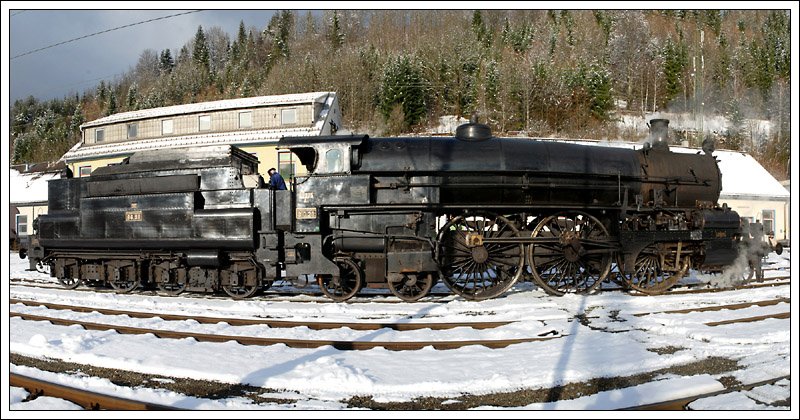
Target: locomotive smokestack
{"type": "Point", "coordinates": [659, 134]}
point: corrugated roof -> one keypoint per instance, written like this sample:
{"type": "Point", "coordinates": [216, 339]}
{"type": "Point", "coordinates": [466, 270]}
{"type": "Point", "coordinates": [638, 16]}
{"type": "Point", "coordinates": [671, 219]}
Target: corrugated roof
{"type": "Point", "coordinates": [211, 106]}
{"type": "Point", "coordinates": [240, 137]}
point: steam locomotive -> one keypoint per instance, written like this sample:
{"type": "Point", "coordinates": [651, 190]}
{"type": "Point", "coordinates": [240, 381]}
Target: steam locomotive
{"type": "Point", "coordinates": [477, 212]}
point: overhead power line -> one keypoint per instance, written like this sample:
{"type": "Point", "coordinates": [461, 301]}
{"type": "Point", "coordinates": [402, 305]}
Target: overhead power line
{"type": "Point", "coordinates": [102, 32]}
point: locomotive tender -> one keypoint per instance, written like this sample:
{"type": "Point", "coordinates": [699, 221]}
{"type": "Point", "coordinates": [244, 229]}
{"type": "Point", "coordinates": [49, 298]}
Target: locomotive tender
{"type": "Point", "coordinates": [478, 212]}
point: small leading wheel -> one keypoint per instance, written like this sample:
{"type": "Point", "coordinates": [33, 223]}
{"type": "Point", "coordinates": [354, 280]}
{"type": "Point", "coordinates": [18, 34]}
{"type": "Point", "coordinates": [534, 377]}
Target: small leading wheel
{"type": "Point", "coordinates": [572, 255]}
{"type": "Point", "coordinates": [346, 284]}
{"type": "Point", "coordinates": [480, 255]}
{"type": "Point", "coordinates": [412, 286]}
{"type": "Point", "coordinates": [654, 271]}
{"type": "Point", "coordinates": [69, 283]}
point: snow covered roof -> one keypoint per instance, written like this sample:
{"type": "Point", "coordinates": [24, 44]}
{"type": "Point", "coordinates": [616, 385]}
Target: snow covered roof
{"type": "Point", "coordinates": [293, 98]}
{"type": "Point", "coordinates": [27, 188]}
{"type": "Point", "coordinates": [743, 176]}
{"type": "Point", "coordinates": [235, 137]}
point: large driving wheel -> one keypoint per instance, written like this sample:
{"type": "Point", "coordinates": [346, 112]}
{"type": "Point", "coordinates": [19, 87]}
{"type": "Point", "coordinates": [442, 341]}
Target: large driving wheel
{"type": "Point", "coordinates": [411, 286]}
{"type": "Point", "coordinates": [480, 256]}
{"type": "Point", "coordinates": [655, 270]}
{"type": "Point", "coordinates": [572, 253]}
{"type": "Point", "coordinates": [346, 284]}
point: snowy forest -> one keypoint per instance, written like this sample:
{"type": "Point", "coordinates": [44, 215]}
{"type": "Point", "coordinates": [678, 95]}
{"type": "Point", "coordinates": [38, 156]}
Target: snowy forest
{"type": "Point", "coordinates": [556, 73]}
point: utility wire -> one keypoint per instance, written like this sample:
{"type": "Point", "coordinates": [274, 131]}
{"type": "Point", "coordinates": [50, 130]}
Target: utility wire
{"type": "Point", "coordinates": [102, 32]}
{"type": "Point", "coordinates": [16, 13]}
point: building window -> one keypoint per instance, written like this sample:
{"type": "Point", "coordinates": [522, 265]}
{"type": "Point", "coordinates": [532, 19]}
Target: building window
{"type": "Point", "coordinates": [288, 116]}
{"type": "Point", "coordinates": [22, 224]}
{"type": "Point", "coordinates": [85, 171]}
{"type": "Point", "coordinates": [286, 165]}
{"type": "Point", "coordinates": [99, 135]}
{"type": "Point", "coordinates": [166, 127]}
{"type": "Point", "coordinates": [132, 129]}
{"type": "Point", "coordinates": [245, 119]}
{"type": "Point", "coordinates": [768, 220]}
{"type": "Point", "coordinates": [204, 122]}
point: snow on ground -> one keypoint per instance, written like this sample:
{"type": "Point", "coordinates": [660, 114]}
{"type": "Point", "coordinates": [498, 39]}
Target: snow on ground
{"type": "Point", "coordinates": [607, 340]}
{"type": "Point", "coordinates": [17, 401]}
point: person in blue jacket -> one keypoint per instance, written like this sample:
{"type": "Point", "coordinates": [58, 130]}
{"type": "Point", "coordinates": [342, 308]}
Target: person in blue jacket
{"type": "Point", "coordinates": [276, 181]}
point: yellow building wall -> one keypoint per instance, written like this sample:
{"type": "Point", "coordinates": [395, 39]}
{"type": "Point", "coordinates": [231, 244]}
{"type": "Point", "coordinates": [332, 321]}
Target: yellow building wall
{"type": "Point", "coordinates": [753, 210]}
{"type": "Point", "coordinates": [32, 212]}
{"type": "Point", "coordinates": [93, 164]}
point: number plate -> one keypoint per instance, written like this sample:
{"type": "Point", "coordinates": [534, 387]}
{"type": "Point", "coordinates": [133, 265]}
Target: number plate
{"type": "Point", "coordinates": [133, 216]}
{"type": "Point", "coordinates": [305, 213]}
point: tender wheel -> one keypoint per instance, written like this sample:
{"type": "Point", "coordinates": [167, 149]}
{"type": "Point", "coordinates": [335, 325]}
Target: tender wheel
{"type": "Point", "coordinates": [241, 292]}
{"type": "Point", "coordinates": [654, 270]}
{"type": "Point", "coordinates": [169, 281]}
{"type": "Point", "coordinates": [346, 284]}
{"type": "Point", "coordinates": [412, 286]}
{"type": "Point", "coordinates": [124, 286]}
{"type": "Point", "coordinates": [172, 288]}
{"type": "Point", "coordinates": [69, 283]}
{"type": "Point", "coordinates": [478, 255]}
{"type": "Point", "coordinates": [573, 255]}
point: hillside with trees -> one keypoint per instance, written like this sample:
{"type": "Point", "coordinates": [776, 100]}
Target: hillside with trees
{"type": "Point", "coordinates": [557, 73]}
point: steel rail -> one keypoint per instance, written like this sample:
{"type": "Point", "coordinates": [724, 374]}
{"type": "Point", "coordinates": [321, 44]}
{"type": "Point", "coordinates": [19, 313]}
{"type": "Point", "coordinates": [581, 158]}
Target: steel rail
{"type": "Point", "coordinates": [719, 307]}
{"type": "Point", "coordinates": [782, 315]}
{"type": "Point", "coordinates": [272, 323]}
{"type": "Point", "coordinates": [294, 343]}
{"type": "Point", "coordinates": [87, 399]}
{"type": "Point", "coordinates": [682, 403]}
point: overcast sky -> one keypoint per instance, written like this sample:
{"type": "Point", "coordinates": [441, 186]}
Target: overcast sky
{"type": "Point", "coordinates": [81, 64]}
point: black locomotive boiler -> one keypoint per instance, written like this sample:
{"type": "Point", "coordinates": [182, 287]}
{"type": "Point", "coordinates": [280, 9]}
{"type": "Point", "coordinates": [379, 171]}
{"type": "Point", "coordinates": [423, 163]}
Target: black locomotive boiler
{"type": "Point", "coordinates": [478, 212]}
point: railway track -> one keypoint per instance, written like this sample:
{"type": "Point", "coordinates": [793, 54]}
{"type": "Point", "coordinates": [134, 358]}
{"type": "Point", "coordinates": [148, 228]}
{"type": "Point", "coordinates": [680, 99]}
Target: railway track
{"type": "Point", "coordinates": [91, 400]}
{"type": "Point", "coordinates": [87, 399]}
{"type": "Point", "coordinates": [433, 298]}
{"type": "Point", "coordinates": [294, 343]}
{"type": "Point", "coordinates": [272, 323]}
{"type": "Point", "coordinates": [683, 403]}
{"type": "Point", "coordinates": [734, 306]}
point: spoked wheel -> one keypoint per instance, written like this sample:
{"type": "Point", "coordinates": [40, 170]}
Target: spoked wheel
{"type": "Point", "coordinates": [655, 270]}
{"type": "Point", "coordinates": [412, 286]}
{"type": "Point", "coordinates": [478, 255]}
{"type": "Point", "coordinates": [573, 254]}
{"type": "Point", "coordinates": [346, 284]}
{"type": "Point", "coordinates": [69, 283]}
